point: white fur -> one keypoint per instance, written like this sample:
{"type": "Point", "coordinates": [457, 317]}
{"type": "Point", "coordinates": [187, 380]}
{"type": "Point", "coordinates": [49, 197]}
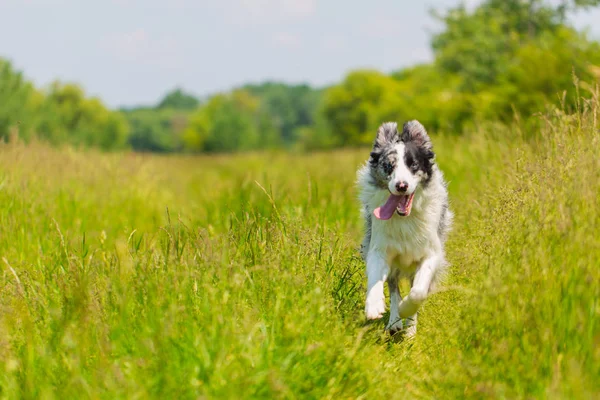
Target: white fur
{"type": "Point", "coordinates": [403, 246]}
{"type": "Point", "coordinates": [402, 173]}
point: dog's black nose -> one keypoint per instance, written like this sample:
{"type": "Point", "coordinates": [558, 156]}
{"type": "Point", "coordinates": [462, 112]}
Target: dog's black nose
{"type": "Point", "coordinates": [402, 186]}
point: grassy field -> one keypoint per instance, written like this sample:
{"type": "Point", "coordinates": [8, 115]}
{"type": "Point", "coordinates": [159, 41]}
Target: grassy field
{"type": "Point", "coordinates": [134, 276]}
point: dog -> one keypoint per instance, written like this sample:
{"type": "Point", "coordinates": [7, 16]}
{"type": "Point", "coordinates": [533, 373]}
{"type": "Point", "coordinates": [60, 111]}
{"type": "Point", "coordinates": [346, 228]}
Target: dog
{"type": "Point", "coordinates": [407, 218]}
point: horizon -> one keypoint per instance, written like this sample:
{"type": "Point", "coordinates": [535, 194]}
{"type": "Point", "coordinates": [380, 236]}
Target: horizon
{"type": "Point", "coordinates": [140, 57]}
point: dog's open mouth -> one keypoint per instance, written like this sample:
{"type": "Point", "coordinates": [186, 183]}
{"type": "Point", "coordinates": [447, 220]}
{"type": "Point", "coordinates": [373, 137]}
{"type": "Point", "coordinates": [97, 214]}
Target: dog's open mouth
{"type": "Point", "coordinates": [401, 204]}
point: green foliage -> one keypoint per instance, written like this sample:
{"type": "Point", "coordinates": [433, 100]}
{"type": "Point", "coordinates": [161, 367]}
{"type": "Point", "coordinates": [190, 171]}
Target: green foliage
{"type": "Point", "coordinates": [479, 45]}
{"type": "Point", "coordinates": [573, 5]}
{"type": "Point", "coordinates": [229, 122]}
{"type": "Point", "coordinates": [291, 107]}
{"type": "Point", "coordinates": [316, 137]}
{"type": "Point", "coordinates": [156, 130]}
{"type": "Point", "coordinates": [179, 100]}
{"type": "Point", "coordinates": [160, 128]}
{"type": "Point", "coordinates": [17, 102]}
{"type": "Point", "coordinates": [239, 277]}
{"type": "Point", "coordinates": [499, 61]}
{"type": "Point", "coordinates": [542, 70]}
{"type": "Point", "coordinates": [359, 104]}
{"type": "Point", "coordinates": [509, 57]}
{"type": "Point", "coordinates": [433, 96]}
{"type": "Point", "coordinates": [256, 116]}
{"type": "Point", "coordinates": [62, 115]}
{"type": "Point", "coordinates": [70, 117]}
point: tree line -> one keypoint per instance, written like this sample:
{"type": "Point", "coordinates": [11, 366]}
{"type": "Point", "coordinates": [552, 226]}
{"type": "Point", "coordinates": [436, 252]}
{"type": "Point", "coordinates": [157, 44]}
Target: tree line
{"type": "Point", "coordinates": [502, 60]}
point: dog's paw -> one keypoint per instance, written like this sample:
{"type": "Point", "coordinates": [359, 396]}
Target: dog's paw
{"type": "Point", "coordinates": [394, 327]}
{"type": "Point", "coordinates": [410, 327]}
{"type": "Point", "coordinates": [375, 308]}
{"type": "Point", "coordinates": [410, 331]}
{"type": "Point", "coordinates": [418, 297]}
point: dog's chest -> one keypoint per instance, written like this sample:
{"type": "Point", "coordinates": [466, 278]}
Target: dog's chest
{"type": "Point", "coordinates": [405, 242]}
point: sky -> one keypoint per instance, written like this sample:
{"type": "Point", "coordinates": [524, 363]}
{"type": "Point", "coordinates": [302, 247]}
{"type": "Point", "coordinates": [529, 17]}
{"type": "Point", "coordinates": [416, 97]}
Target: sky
{"type": "Point", "coordinates": [131, 52]}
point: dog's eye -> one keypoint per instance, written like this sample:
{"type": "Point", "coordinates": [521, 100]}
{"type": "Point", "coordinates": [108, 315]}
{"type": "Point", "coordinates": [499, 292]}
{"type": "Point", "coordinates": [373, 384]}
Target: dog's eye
{"type": "Point", "coordinates": [414, 166]}
{"type": "Point", "coordinates": [388, 167]}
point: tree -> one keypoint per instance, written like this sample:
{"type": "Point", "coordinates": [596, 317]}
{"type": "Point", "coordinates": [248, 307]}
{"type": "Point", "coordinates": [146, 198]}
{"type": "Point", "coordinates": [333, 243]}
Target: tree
{"type": "Point", "coordinates": [178, 100]}
{"type": "Point", "coordinates": [431, 95]}
{"type": "Point", "coordinates": [18, 100]}
{"type": "Point", "coordinates": [230, 122]}
{"type": "Point", "coordinates": [542, 70]}
{"type": "Point", "coordinates": [156, 130]}
{"type": "Point", "coordinates": [479, 45]}
{"type": "Point", "coordinates": [69, 117]}
{"type": "Point", "coordinates": [509, 56]}
{"type": "Point", "coordinates": [291, 107]}
{"type": "Point", "coordinates": [354, 108]}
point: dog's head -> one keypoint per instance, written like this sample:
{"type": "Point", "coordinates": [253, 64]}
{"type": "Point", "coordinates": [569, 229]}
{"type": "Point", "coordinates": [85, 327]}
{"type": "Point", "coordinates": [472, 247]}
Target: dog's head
{"type": "Point", "coordinates": [400, 162]}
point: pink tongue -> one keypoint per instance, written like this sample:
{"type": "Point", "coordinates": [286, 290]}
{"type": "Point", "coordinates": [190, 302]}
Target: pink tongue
{"type": "Point", "coordinates": [387, 210]}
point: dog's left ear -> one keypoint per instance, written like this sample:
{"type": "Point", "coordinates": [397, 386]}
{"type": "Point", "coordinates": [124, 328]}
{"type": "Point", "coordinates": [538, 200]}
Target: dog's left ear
{"type": "Point", "coordinates": [413, 131]}
{"type": "Point", "coordinates": [429, 154]}
{"type": "Point", "coordinates": [386, 134]}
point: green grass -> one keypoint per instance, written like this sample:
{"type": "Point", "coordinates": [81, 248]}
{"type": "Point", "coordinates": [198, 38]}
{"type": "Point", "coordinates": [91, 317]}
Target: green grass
{"type": "Point", "coordinates": [134, 276]}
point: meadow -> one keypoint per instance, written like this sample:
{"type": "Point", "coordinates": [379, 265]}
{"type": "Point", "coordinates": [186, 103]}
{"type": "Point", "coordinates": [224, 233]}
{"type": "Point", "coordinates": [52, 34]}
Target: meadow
{"type": "Point", "coordinates": [144, 276]}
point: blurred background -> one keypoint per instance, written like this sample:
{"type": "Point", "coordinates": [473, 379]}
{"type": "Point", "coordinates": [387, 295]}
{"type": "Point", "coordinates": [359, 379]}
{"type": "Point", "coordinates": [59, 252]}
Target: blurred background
{"type": "Point", "coordinates": [239, 75]}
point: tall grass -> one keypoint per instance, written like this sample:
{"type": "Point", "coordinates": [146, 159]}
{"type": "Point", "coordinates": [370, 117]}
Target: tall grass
{"type": "Point", "coordinates": [129, 276]}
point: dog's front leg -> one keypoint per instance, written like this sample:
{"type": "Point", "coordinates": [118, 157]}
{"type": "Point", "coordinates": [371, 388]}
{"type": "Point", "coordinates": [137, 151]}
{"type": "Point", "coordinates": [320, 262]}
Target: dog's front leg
{"type": "Point", "coordinates": [420, 287]}
{"type": "Point", "coordinates": [377, 273]}
{"type": "Point", "coordinates": [395, 323]}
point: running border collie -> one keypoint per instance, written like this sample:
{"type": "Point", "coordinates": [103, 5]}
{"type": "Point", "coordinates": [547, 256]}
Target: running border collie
{"type": "Point", "coordinates": [405, 206]}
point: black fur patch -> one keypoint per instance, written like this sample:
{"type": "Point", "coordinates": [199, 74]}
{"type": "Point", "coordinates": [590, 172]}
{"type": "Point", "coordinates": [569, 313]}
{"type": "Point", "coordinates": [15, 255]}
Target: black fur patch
{"type": "Point", "coordinates": [419, 158]}
{"type": "Point", "coordinates": [418, 153]}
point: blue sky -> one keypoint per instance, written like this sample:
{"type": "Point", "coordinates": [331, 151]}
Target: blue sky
{"type": "Point", "coordinates": [132, 51]}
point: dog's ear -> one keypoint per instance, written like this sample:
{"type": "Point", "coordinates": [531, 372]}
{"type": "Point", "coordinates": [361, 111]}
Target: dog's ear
{"type": "Point", "coordinates": [387, 134]}
{"type": "Point", "coordinates": [413, 131]}
{"type": "Point", "coordinates": [374, 159]}
{"type": "Point", "coordinates": [429, 154]}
